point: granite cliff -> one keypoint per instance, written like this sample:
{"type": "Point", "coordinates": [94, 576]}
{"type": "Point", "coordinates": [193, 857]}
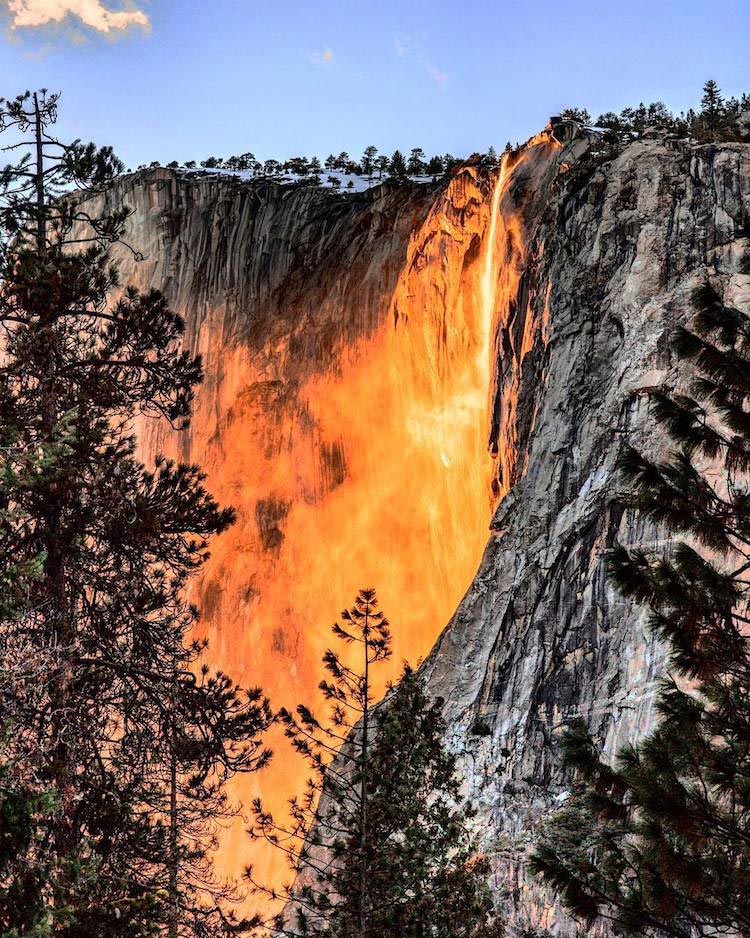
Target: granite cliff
{"type": "Point", "coordinates": [390, 374]}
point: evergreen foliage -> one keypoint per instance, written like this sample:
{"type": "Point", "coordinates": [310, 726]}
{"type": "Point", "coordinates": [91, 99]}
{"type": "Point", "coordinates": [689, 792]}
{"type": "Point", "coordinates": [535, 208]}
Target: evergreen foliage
{"type": "Point", "coordinates": [382, 163]}
{"type": "Point", "coordinates": [416, 164]}
{"type": "Point", "coordinates": [659, 844]}
{"type": "Point", "coordinates": [377, 845]}
{"type": "Point", "coordinates": [119, 740]}
{"type": "Point", "coordinates": [491, 158]}
{"type": "Point", "coordinates": [367, 163]}
{"type": "Point", "coordinates": [717, 119]}
{"type": "Point", "coordinates": [397, 165]}
{"type": "Point", "coordinates": [435, 167]}
{"type": "Point", "coordinates": [581, 115]}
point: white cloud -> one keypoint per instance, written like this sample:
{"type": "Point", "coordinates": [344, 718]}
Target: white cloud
{"type": "Point", "coordinates": [325, 57]}
{"type": "Point", "coordinates": [91, 13]}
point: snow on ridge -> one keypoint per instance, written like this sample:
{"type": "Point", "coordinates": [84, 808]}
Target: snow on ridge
{"type": "Point", "coordinates": [359, 183]}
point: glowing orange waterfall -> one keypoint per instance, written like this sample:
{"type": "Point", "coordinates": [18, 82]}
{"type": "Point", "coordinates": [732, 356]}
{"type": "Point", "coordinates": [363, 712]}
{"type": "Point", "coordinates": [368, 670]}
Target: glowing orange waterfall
{"type": "Point", "coordinates": [374, 471]}
{"type": "Point", "coordinates": [489, 276]}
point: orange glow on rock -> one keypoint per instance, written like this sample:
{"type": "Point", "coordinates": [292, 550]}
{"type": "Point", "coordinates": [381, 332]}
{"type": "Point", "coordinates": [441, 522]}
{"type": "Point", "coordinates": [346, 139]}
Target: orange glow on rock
{"type": "Point", "coordinates": [372, 470]}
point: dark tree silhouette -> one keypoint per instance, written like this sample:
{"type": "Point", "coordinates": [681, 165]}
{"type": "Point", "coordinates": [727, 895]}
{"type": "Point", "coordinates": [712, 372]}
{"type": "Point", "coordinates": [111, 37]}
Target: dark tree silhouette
{"type": "Point", "coordinates": [129, 736]}
{"type": "Point", "coordinates": [397, 165]}
{"type": "Point", "coordinates": [660, 843]}
{"type": "Point", "coordinates": [712, 105]}
{"type": "Point", "coordinates": [379, 843]}
{"type": "Point", "coordinates": [368, 161]}
{"type": "Point", "coordinates": [416, 164]}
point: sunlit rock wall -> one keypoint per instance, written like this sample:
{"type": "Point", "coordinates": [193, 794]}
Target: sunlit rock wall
{"type": "Point", "coordinates": [389, 373]}
{"type": "Point", "coordinates": [346, 345]}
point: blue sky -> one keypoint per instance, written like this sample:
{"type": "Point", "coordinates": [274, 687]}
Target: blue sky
{"type": "Point", "coordinates": [191, 78]}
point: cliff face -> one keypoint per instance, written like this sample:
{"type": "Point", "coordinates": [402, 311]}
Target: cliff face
{"type": "Point", "coordinates": [389, 373]}
{"type": "Point", "coordinates": [541, 637]}
{"type": "Point", "coordinates": [346, 345]}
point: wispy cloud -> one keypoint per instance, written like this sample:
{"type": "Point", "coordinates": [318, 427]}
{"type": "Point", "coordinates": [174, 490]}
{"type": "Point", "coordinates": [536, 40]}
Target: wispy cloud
{"type": "Point", "coordinates": [402, 44]}
{"type": "Point", "coordinates": [412, 47]}
{"type": "Point", "coordinates": [326, 57]}
{"type": "Point", "coordinates": [93, 14]}
{"type": "Point", "coordinates": [440, 77]}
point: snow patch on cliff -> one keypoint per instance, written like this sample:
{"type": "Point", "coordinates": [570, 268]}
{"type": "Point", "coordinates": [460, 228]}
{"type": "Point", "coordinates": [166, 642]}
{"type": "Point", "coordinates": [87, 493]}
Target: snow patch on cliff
{"type": "Point", "coordinates": [335, 179]}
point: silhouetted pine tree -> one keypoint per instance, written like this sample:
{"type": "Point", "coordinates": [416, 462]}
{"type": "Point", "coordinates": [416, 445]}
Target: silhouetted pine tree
{"type": "Point", "coordinates": [435, 167]}
{"type": "Point", "coordinates": [368, 161]}
{"type": "Point", "coordinates": [378, 845]}
{"type": "Point", "coordinates": [490, 158]}
{"type": "Point", "coordinates": [112, 720]}
{"type": "Point", "coordinates": [712, 105]}
{"type": "Point", "coordinates": [397, 165]}
{"type": "Point", "coordinates": [425, 876]}
{"type": "Point", "coordinates": [29, 869]}
{"type": "Point", "coordinates": [660, 844]}
{"type": "Point", "coordinates": [416, 164]}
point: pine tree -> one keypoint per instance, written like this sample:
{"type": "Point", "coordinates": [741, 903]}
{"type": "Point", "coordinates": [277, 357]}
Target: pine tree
{"type": "Point", "coordinates": [315, 170]}
{"type": "Point", "coordinates": [28, 868]}
{"type": "Point", "coordinates": [377, 845]}
{"type": "Point", "coordinates": [425, 876]}
{"type": "Point", "coordinates": [397, 165]}
{"type": "Point", "coordinates": [712, 105]}
{"type": "Point", "coordinates": [416, 164]}
{"type": "Point", "coordinates": [382, 164]}
{"type": "Point", "coordinates": [368, 161]}
{"type": "Point", "coordinates": [660, 843]}
{"type": "Point", "coordinates": [578, 114]}
{"type": "Point", "coordinates": [436, 167]}
{"type": "Point", "coordinates": [491, 158]}
{"type": "Point", "coordinates": [299, 165]}
{"type": "Point", "coordinates": [450, 162]}
{"type": "Point", "coordinates": [132, 743]}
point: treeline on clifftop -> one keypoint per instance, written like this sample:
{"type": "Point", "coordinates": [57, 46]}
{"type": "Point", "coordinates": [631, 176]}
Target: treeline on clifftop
{"type": "Point", "coordinates": [658, 843]}
{"type": "Point", "coordinates": [117, 739]}
{"type": "Point", "coordinates": [718, 119]}
{"type": "Point", "coordinates": [372, 165]}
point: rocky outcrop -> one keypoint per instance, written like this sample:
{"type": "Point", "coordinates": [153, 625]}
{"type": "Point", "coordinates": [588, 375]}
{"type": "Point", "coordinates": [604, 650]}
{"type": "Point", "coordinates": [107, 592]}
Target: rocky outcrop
{"type": "Point", "coordinates": [323, 318]}
{"type": "Point", "coordinates": [541, 638]}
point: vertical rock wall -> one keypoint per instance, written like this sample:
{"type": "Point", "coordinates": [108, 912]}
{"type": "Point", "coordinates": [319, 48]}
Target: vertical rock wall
{"type": "Point", "coordinates": [541, 637]}
{"type": "Point", "coordinates": [346, 344]}
{"type": "Point", "coordinates": [358, 368]}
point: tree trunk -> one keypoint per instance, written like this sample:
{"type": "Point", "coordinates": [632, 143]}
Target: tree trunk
{"type": "Point", "coordinates": [59, 620]}
{"type": "Point", "coordinates": [174, 910]}
{"type": "Point", "coordinates": [41, 225]}
{"type": "Point", "coordinates": [363, 791]}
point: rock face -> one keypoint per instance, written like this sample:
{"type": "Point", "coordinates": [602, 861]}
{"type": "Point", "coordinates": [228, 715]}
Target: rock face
{"type": "Point", "coordinates": [541, 637]}
{"type": "Point", "coordinates": [550, 292]}
{"type": "Point", "coordinates": [346, 345]}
